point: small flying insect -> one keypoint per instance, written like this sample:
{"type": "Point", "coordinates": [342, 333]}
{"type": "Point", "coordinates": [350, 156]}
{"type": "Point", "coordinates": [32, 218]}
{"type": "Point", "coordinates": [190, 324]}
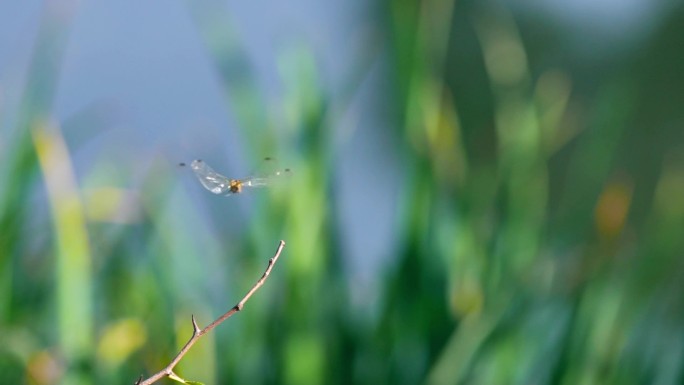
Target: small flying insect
{"type": "Point", "coordinates": [219, 184]}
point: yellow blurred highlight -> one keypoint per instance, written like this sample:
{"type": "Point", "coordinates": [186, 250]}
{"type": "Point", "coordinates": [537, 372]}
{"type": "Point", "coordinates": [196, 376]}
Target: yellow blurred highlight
{"type": "Point", "coordinates": [612, 208]}
{"type": "Point", "coordinates": [112, 205]}
{"type": "Point", "coordinates": [119, 340]}
{"type": "Point", "coordinates": [73, 259]}
{"type": "Point", "coordinates": [44, 368]}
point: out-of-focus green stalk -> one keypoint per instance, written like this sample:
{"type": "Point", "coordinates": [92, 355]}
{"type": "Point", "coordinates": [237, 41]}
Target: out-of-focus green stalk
{"type": "Point", "coordinates": [35, 106]}
{"type": "Point", "coordinates": [74, 321]}
{"type": "Point", "coordinates": [74, 281]}
{"type": "Point", "coordinates": [421, 33]}
{"type": "Point", "coordinates": [425, 97]}
{"type": "Point", "coordinates": [307, 224]}
{"type": "Point", "coordinates": [521, 158]}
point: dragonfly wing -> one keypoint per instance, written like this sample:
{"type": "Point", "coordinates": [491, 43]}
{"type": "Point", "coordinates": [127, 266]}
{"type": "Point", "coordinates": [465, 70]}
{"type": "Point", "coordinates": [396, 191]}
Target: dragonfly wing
{"type": "Point", "coordinates": [210, 179]}
{"type": "Point", "coordinates": [255, 182]}
{"type": "Point", "coordinates": [267, 174]}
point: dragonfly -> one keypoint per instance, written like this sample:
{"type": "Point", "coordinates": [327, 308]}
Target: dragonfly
{"type": "Point", "coordinates": [220, 184]}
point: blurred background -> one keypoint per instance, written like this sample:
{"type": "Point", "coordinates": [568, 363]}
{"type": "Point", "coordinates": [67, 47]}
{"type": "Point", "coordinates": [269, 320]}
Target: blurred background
{"type": "Point", "coordinates": [482, 192]}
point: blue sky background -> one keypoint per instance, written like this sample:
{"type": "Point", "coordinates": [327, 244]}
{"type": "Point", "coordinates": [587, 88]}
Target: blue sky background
{"type": "Point", "coordinates": [141, 72]}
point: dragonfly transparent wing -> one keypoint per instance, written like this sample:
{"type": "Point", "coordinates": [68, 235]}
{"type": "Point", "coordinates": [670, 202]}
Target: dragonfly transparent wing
{"type": "Point", "coordinates": [267, 178]}
{"type": "Point", "coordinates": [210, 179]}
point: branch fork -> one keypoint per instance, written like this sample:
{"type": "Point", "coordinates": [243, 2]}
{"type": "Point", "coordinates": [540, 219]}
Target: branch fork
{"type": "Point", "coordinates": [198, 332]}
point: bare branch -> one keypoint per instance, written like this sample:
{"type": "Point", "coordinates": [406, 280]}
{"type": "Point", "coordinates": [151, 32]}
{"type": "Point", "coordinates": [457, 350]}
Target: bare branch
{"type": "Point", "coordinates": [198, 332]}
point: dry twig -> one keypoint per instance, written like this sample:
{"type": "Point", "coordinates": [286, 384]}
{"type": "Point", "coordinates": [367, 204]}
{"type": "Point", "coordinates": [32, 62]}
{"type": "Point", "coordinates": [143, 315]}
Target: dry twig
{"type": "Point", "coordinates": [197, 332]}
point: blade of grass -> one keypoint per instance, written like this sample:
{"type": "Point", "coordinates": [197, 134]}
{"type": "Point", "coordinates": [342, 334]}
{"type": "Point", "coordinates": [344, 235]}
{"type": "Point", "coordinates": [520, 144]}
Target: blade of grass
{"type": "Point", "coordinates": [73, 254]}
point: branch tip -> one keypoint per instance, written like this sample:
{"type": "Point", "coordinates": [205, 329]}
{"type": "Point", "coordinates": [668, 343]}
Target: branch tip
{"type": "Point", "coordinates": [195, 327]}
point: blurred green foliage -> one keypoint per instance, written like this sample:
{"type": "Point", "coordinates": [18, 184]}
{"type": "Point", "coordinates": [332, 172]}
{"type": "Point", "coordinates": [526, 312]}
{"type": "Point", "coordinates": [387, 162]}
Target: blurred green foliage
{"type": "Point", "coordinates": [539, 239]}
